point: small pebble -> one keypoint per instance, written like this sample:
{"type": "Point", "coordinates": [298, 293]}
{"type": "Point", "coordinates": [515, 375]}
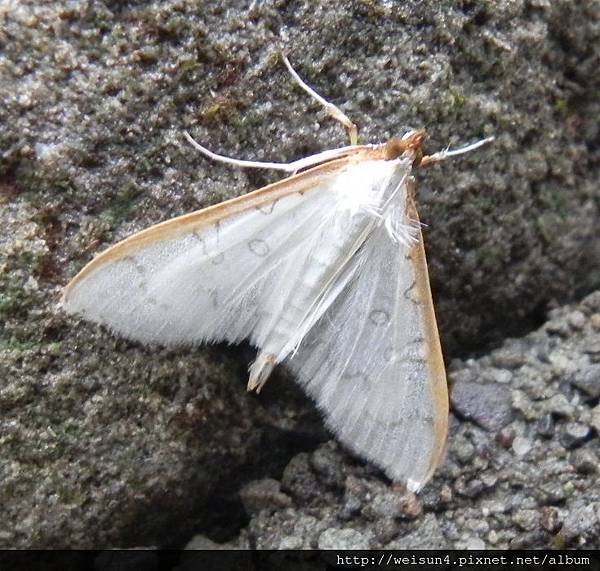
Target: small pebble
{"type": "Point", "coordinates": [263, 494]}
{"type": "Point", "coordinates": [588, 380]}
{"type": "Point", "coordinates": [595, 422]}
{"type": "Point", "coordinates": [559, 405]}
{"type": "Point", "coordinates": [593, 349]}
{"type": "Point", "coordinates": [521, 445]}
{"type": "Point", "coordinates": [550, 519]}
{"type": "Point", "coordinates": [580, 518]}
{"type": "Point", "coordinates": [501, 376]}
{"type": "Point", "coordinates": [557, 327]}
{"type": "Point", "coordinates": [574, 434]}
{"type": "Point", "coordinates": [385, 529]}
{"type": "Point", "coordinates": [386, 504]}
{"type": "Point", "coordinates": [584, 461]}
{"type": "Point", "coordinates": [469, 488]}
{"type": "Point", "coordinates": [291, 543]}
{"type": "Point", "coordinates": [353, 498]}
{"type": "Point", "coordinates": [508, 359]}
{"type": "Point", "coordinates": [427, 535]}
{"type": "Point", "coordinates": [410, 504]}
{"type": "Point", "coordinates": [446, 494]}
{"type": "Point", "coordinates": [527, 520]}
{"type": "Point", "coordinates": [553, 492]}
{"type": "Point", "coordinates": [489, 405]}
{"type": "Point", "coordinates": [299, 479]}
{"type": "Point", "coordinates": [475, 543]}
{"type": "Point", "coordinates": [201, 542]}
{"type": "Point", "coordinates": [327, 463]}
{"type": "Point", "coordinates": [576, 320]}
{"type": "Point", "coordinates": [545, 426]}
{"type": "Point", "coordinates": [592, 301]}
{"type": "Point", "coordinates": [505, 437]}
{"type": "Point", "coordinates": [342, 539]}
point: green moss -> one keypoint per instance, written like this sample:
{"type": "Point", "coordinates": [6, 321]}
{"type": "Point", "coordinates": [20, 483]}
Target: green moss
{"type": "Point", "coordinates": [122, 205]}
{"type": "Point", "coordinates": [457, 97]}
{"type": "Point", "coordinates": [18, 345]}
{"type": "Point", "coordinates": [548, 223]}
{"type": "Point", "coordinates": [13, 300]}
{"type": "Point", "coordinates": [561, 105]}
{"type": "Point", "coordinates": [569, 488]}
{"type": "Point", "coordinates": [188, 65]}
{"type": "Point", "coordinates": [30, 261]}
{"type": "Point", "coordinates": [68, 494]}
{"type": "Point", "coordinates": [556, 201]}
{"type": "Point", "coordinates": [223, 109]}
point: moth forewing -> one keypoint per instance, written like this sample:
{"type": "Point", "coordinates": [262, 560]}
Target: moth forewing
{"type": "Point", "coordinates": [179, 282]}
{"type": "Point", "coordinates": [196, 221]}
{"type": "Point", "coordinates": [222, 273]}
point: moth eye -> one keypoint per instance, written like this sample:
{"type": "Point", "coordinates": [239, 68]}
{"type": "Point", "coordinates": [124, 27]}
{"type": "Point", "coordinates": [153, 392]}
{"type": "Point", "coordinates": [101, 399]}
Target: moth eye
{"type": "Point", "coordinates": [379, 317]}
{"type": "Point", "coordinates": [258, 247]}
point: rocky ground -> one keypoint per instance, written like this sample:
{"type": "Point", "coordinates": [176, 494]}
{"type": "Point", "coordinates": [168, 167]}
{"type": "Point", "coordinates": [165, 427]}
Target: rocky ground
{"type": "Point", "coordinates": [521, 470]}
{"type": "Point", "coordinates": [107, 443]}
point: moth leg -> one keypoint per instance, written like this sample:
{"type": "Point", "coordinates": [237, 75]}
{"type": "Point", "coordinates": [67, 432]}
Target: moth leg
{"type": "Point", "coordinates": [331, 109]}
{"type": "Point", "coordinates": [447, 153]}
{"type": "Point", "coordinates": [260, 371]}
{"type": "Point", "coordinates": [292, 167]}
{"type": "Point", "coordinates": [288, 167]}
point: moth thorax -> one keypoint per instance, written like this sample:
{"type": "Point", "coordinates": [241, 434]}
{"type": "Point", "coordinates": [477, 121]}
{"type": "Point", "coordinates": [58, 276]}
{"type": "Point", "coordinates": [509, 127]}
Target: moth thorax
{"type": "Point", "coordinates": [410, 145]}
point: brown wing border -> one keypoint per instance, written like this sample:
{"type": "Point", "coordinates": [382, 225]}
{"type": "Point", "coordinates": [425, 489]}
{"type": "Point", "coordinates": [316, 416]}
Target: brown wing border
{"type": "Point", "coordinates": [435, 359]}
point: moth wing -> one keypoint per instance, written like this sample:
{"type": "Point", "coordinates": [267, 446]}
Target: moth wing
{"type": "Point", "coordinates": [200, 277]}
{"type": "Point", "coordinates": [373, 363]}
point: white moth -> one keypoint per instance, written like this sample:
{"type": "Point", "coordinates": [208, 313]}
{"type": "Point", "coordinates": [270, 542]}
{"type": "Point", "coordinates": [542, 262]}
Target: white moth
{"type": "Point", "coordinates": [325, 269]}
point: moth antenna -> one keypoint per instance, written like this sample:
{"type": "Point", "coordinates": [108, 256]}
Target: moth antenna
{"type": "Point", "coordinates": [331, 109]}
{"type": "Point", "coordinates": [446, 153]}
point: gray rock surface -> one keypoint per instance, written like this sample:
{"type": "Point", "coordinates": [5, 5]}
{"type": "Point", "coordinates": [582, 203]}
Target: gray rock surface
{"type": "Point", "coordinates": [107, 443]}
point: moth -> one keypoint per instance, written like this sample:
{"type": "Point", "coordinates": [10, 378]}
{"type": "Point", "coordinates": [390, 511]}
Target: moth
{"type": "Point", "coordinates": [325, 269]}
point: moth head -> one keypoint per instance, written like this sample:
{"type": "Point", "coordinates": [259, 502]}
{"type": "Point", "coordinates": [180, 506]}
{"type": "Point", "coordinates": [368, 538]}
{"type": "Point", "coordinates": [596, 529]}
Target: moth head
{"type": "Point", "coordinates": [410, 145]}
